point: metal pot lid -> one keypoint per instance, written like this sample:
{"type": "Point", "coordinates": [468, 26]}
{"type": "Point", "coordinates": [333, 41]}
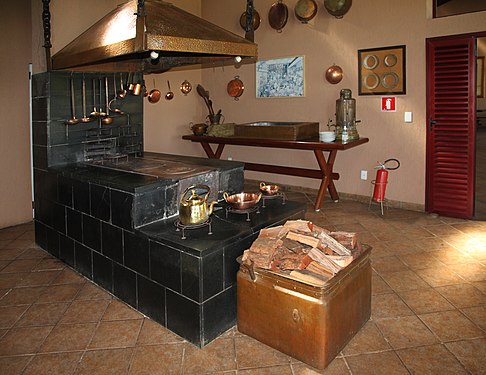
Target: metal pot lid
{"type": "Point", "coordinates": [278, 16]}
{"type": "Point", "coordinates": [305, 10]}
{"type": "Point", "coordinates": [235, 88]}
{"type": "Point", "coordinates": [337, 8]}
{"type": "Point", "coordinates": [256, 20]}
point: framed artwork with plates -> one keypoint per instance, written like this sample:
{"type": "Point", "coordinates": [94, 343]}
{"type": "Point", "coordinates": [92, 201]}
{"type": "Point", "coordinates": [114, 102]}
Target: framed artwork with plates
{"type": "Point", "coordinates": [381, 71]}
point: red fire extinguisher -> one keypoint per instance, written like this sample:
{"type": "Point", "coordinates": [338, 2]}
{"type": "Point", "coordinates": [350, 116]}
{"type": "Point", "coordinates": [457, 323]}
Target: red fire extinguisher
{"type": "Point", "coordinates": [382, 179]}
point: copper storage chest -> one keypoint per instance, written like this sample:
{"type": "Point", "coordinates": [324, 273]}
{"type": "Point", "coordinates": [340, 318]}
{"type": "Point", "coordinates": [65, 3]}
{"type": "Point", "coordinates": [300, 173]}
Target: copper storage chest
{"type": "Point", "coordinates": [311, 324]}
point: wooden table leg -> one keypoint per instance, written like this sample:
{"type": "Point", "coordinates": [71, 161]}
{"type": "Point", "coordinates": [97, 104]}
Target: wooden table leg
{"type": "Point", "coordinates": [327, 177]}
{"type": "Point", "coordinates": [209, 151]}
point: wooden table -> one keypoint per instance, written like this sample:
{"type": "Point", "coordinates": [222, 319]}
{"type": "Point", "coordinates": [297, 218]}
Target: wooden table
{"type": "Point", "coordinates": [325, 172]}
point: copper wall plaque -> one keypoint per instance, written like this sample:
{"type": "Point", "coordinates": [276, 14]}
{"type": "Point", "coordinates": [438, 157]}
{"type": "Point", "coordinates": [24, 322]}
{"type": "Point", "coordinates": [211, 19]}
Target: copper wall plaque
{"type": "Point", "coordinates": [382, 71]}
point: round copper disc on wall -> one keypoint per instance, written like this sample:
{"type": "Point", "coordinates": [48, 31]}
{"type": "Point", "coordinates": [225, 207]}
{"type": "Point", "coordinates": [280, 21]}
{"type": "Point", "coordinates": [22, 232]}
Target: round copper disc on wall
{"type": "Point", "coordinates": [278, 16]}
{"type": "Point", "coordinates": [334, 74]}
{"type": "Point", "coordinates": [235, 88]}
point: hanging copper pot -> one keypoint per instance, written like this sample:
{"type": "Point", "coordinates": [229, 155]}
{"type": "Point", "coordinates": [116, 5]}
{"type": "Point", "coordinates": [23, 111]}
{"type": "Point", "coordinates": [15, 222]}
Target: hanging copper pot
{"type": "Point", "coordinates": [278, 15]}
{"type": "Point", "coordinates": [305, 10]}
{"type": "Point", "coordinates": [334, 74]}
{"type": "Point", "coordinates": [256, 20]}
{"type": "Point", "coordinates": [235, 88]}
{"type": "Point", "coordinates": [337, 8]}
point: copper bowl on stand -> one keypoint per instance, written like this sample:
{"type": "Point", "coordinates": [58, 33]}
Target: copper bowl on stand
{"type": "Point", "coordinates": [242, 201]}
{"type": "Point", "coordinates": [267, 189]}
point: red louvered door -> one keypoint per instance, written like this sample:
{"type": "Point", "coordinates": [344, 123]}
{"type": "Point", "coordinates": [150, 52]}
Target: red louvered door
{"type": "Point", "coordinates": [451, 108]}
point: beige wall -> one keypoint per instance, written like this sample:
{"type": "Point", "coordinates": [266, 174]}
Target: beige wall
{"type": "Point", "coordinates": [323, 41]}
{"type": "Point", "coordinates": [15, 187]}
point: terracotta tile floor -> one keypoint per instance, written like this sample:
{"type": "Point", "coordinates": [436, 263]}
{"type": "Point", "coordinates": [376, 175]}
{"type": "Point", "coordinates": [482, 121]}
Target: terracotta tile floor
{"type": "Point", "coordinates": [428, 309]}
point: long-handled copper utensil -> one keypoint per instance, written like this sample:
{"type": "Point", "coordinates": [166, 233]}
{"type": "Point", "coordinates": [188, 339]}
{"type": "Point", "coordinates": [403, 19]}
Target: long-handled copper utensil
{"type": "Point", "coordinates": [73, 120]}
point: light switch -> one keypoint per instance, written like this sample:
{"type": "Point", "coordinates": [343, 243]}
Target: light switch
{"type": "Point", "coordinates": [408, 116]}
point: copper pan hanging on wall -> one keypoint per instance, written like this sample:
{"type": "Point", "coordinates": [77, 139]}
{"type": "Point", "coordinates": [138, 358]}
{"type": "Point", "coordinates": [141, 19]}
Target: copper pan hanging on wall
{"type": "Point", "coordinates": [278, 16]}
{"type": "Point", "coordinates": [337, 8]}
{"type": "Point", "coordinates": [235, 88]}
{"type": "Point", "coordinates": [256, 20]}
{"type": "Point", "coordinates": [305, 10]}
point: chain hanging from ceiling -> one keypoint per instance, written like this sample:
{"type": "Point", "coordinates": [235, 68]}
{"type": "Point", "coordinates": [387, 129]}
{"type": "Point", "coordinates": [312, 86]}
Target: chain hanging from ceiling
{"type": "Point", "coordinates": [46, 24]}
{"type": "Point", "coordinates": [249, 28]}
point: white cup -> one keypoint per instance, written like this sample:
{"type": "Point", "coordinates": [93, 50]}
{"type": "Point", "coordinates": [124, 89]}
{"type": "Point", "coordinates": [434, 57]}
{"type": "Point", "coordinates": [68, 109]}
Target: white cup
{"type": "Point", "coordinates": [327, 136]}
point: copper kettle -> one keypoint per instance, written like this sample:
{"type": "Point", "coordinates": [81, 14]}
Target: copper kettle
{"type": "Point", "coordinates": [194, 208]}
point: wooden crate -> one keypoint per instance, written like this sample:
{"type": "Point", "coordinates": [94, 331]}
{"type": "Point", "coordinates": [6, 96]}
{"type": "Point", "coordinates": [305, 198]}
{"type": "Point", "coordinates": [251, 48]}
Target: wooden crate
{"type": "Point", "coordinates": [290, 131]}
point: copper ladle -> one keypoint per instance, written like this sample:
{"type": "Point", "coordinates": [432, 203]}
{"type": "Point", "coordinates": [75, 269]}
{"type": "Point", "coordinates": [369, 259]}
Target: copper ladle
{"type": "Point", "coordinates": [120, 94]}
{"type": "Point", "coordinates": [170, 94]}
{"type": "Point", "coordinates": [85, 119]}
{"type": "Point", "coordinates": [73, 120]}
{"type": "Point", "coordinates": [106, 120]}
{"type": "Point", "coordinates": [115, 110]}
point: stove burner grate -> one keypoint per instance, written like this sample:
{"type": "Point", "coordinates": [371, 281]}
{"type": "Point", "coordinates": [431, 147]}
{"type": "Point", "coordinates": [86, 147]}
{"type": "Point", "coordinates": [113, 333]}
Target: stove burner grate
{"type": "Point", "coordinates": [184, 227]}
{"type": "Point", "coordinates": [248, 211]}
{"type": "Point", "coordinates": [272, 197]}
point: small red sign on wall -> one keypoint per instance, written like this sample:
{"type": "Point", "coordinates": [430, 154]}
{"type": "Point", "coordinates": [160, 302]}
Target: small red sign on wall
{"type": "Point", "coordinates": [388, 103]}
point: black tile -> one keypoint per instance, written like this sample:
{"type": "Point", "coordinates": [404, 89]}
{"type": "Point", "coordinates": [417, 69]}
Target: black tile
{"type": "Point", "coordinates": [92, 233]}
{"type": "Point", "coordinates": [59, 218]}
{"type": "Point", "coordinates": [232, 252]}
{"type": "Point", "coordinates": [103, 271]}
{"type": "Point", "coordinates": [81, 196]}
{"type": "Point", "coordinates": [136, 253]}
{"type": "Point", "coordinates": [43, 211]}
{"type": "Point", "coordinates": [165, 265]}
{"type": "Point", "coordinates": [52, 243]}
{"type": "Point", "coordinates": [121, 209]}
{"type": "Point", "coordinates": [40, 234]}
{"type": "Point", "coordinates": [219, 314]}
{"type": "Point", "coordinates": [212, 274]}
{"type": "Point", "coordinates": [50, 186]}
{"type": "Point", "coordinates": [65, 190]}
{"type": "Point", "coordinates": [151, 299]}
{"type": "Point", "coordinates": [66, 250]}
{"type": "Point", "coordinates": [112, 242]}
{"type": "Point", "coordinates": [39, 133]}
{"type": "Point", "coordinates": [191, 276]}
{"type": "Point", "coordinates": [39, 109]}
{"type": "Point", "coordinates": [74, 224]}
{"type": "Point", "coordinates": [183, 317]}
{"type": "Point", "coordinates": [125, 284]}
{"type": "Point", "coordinates": [100, 202]}
{"type": "Point", "coordinates": [83, 260]}
{"type": "Point", "coordinates": [39, 154]}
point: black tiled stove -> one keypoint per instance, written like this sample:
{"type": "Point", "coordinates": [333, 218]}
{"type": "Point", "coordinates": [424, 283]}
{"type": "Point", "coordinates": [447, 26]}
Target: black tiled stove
{"type": "Point", "coordinates": [114, 222]}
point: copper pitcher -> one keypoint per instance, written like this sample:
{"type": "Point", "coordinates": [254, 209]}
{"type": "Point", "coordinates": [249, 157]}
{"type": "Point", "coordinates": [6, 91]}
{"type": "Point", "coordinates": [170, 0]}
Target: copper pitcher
{"type": "Point", "coordinates": [194, 208]}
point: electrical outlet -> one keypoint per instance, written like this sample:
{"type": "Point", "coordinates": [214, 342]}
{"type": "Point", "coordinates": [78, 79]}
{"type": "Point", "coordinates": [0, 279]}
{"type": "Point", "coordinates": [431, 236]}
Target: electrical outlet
{"type": "Point", "coordinates": [230, 157]}
{"type": "Point", "coordinates": [364, 175]}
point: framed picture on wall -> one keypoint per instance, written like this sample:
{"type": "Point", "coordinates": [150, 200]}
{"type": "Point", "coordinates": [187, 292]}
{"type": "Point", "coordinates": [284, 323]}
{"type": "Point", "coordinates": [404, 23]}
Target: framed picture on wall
{"type": "Point", "coordinates": [280, 78]}
{"type": "Point", "coordinates": [381, 71]}
{"type": "Point", "coordinates": [480, 77]}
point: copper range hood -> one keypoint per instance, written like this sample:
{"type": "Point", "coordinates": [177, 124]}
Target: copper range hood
{"type": "Point", "coordinates": [150, 36]}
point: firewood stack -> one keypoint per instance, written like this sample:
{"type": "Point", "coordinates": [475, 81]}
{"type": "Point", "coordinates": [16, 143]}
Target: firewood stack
{"type": "Point", "coordinates": [303, 251]}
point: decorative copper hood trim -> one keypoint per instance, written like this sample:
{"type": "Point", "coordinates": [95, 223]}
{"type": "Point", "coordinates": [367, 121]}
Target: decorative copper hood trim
{"type": "Point", "coordinates": [122, 39]}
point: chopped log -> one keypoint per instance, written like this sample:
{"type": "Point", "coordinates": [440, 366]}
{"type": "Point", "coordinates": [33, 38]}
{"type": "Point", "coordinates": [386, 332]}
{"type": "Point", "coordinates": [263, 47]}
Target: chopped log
{"type": "Point", "coordinates": [324, 261]}
{"type": "Point", "coordinates": [295, 246]}
{"type": "Point", "coordinates": [305, 239]}
{"type": "Point", "coordinates": [317, 230]}
{"type": "Point", "coordinates": [346, 239]}
{"type": "Point", "coordinates": [299, 225]}
{"type": "Point", "coordinates": [265, 245]}
{"type": "Point", "coordinates": [259, 260]}
{"type": "Point", "coordinates": [270, 232]}
{"type": "Point", "coordinates": [305, 262]}
{"type": "Point", "coordinates": [333, 244]}
{"type": "Point", "coordinates": [309, 277]}
{"type": "Point", "coordinates": [341, 260]}
{"type": "Point", "coordinates": [317, 268]}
